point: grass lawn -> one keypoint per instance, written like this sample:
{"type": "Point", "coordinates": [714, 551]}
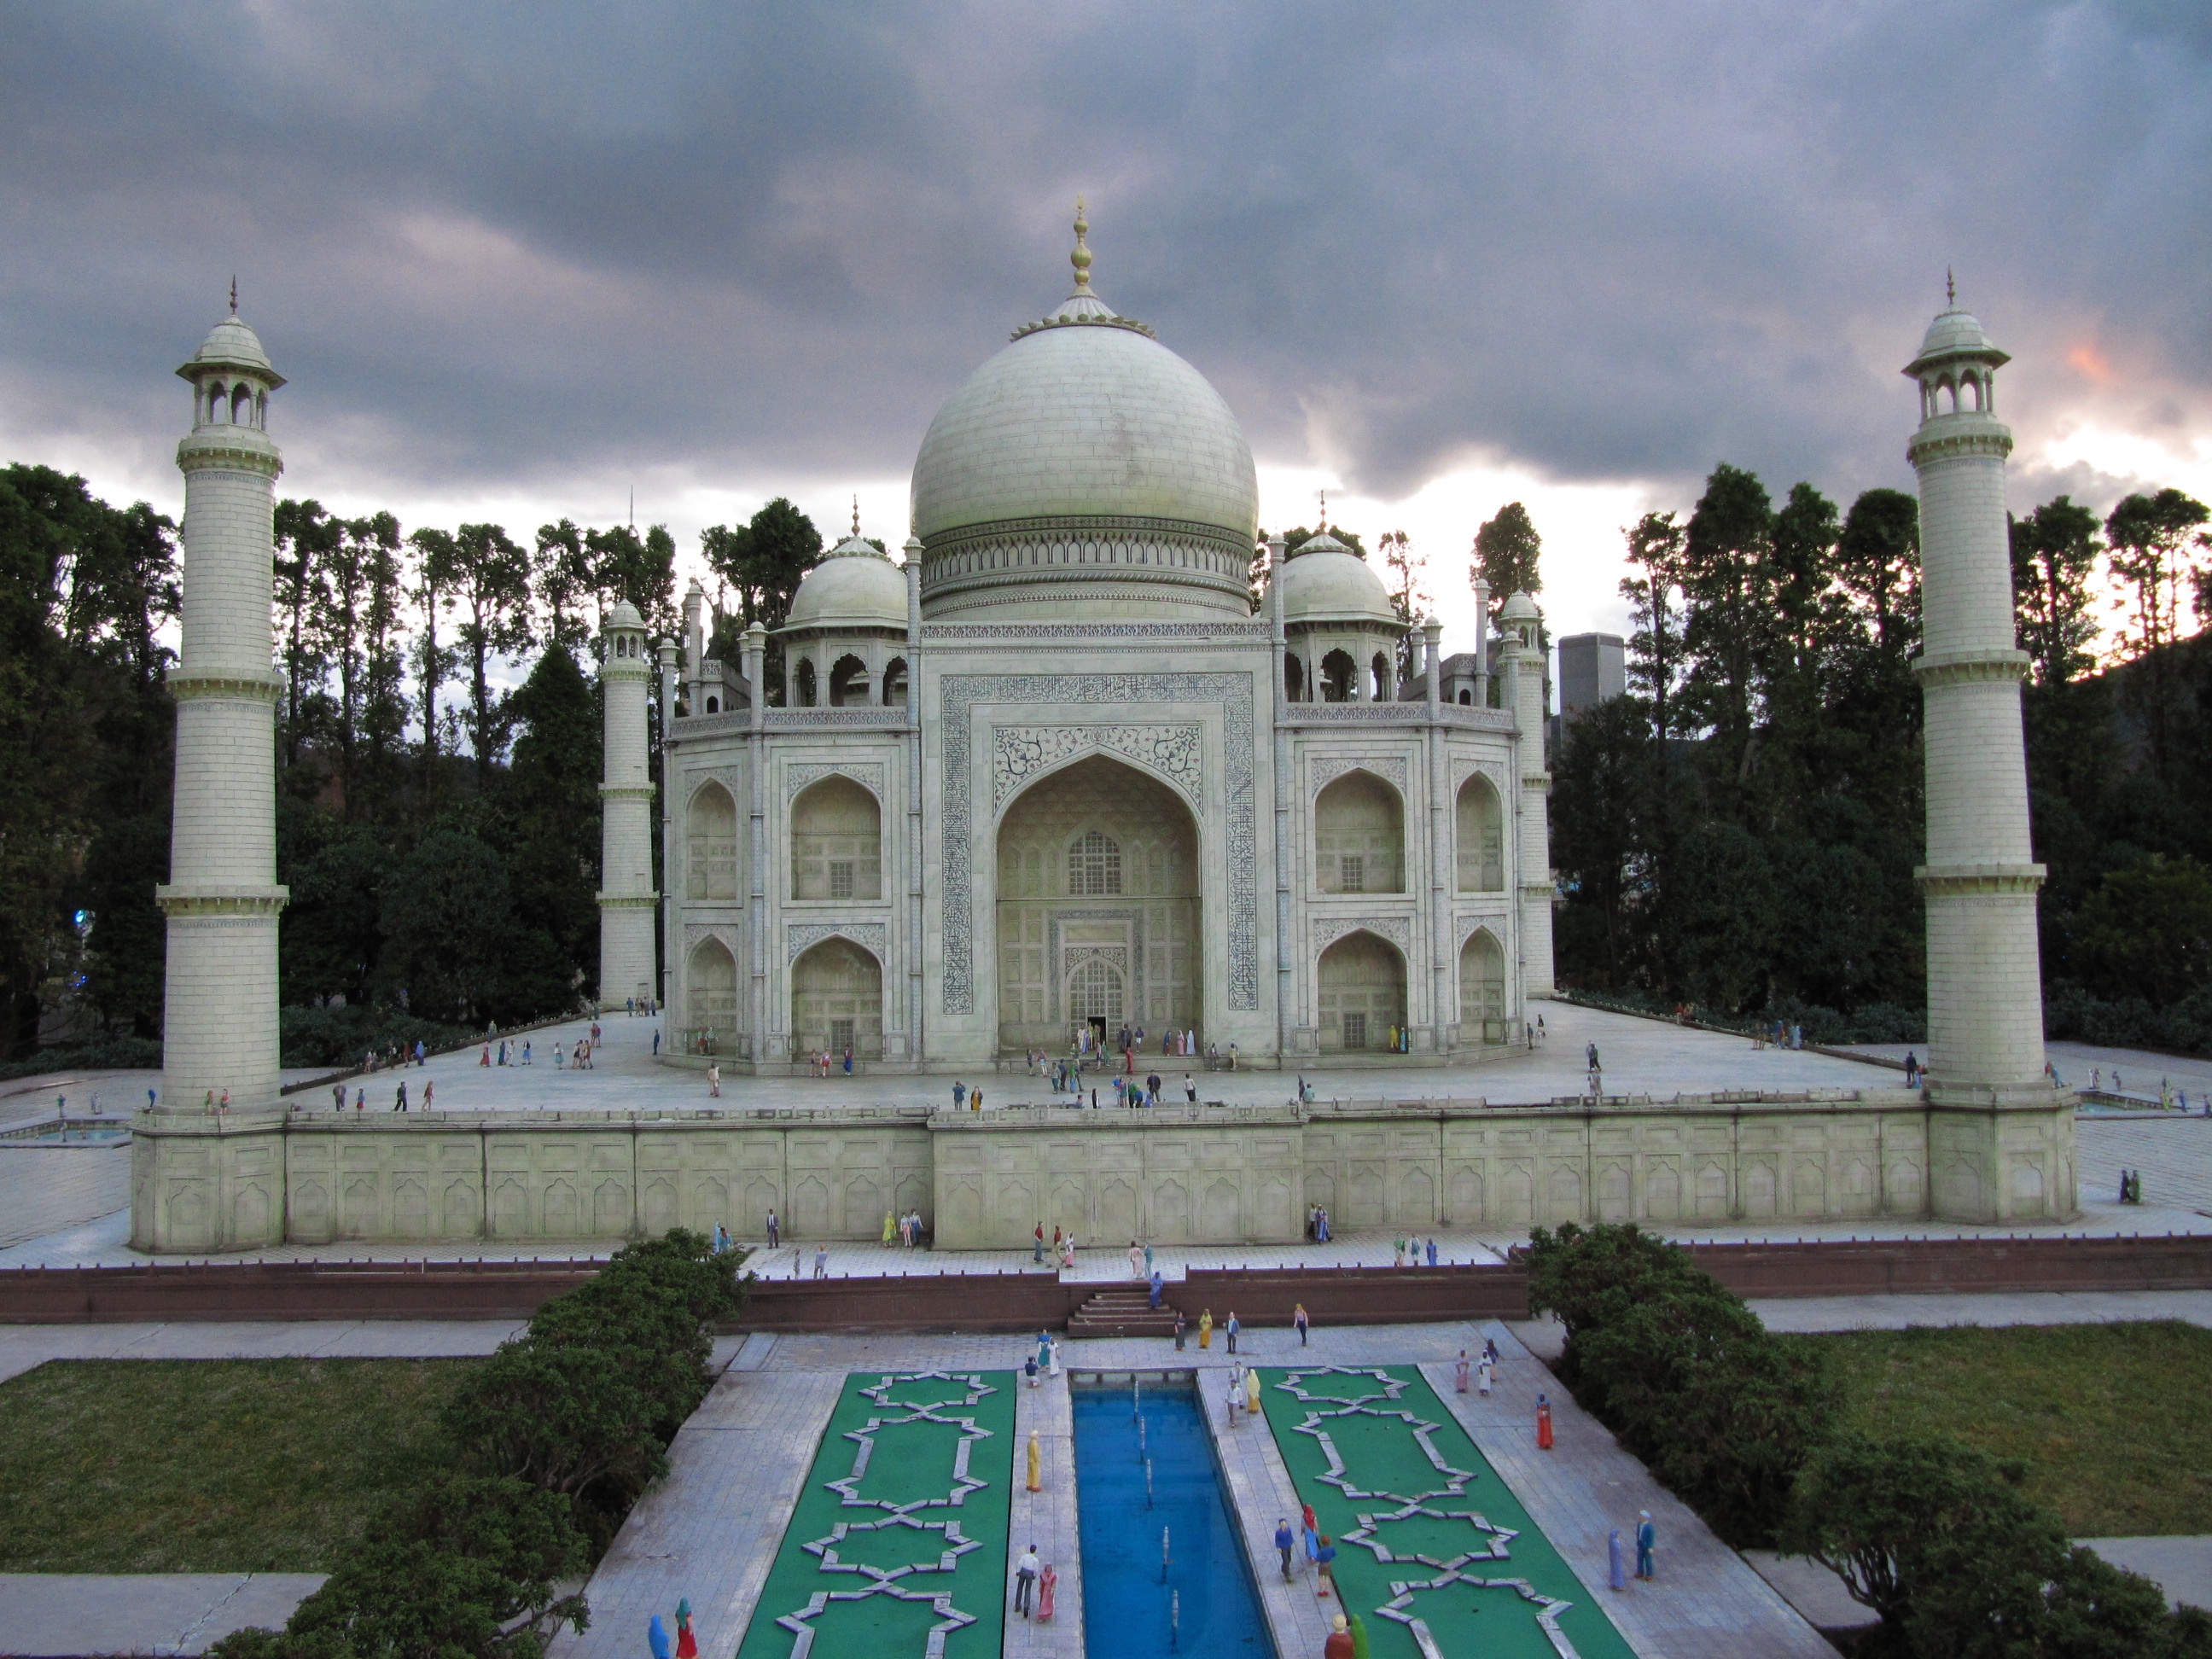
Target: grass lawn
{"type": "Point", "coordinates": [2110, 1419]}
{"type": "Point", "coordinates": [208, 1465]}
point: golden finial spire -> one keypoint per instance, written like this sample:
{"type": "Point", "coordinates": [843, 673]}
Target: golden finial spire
{"type": "Point", "coordinates": [1950, 287]}
{"type": "Point", "coordinates": [856, 515]}
{"type": "Point", "coordinates": [1324, 511]}
{"type": "Point", "coordinates": [234, 293]}
{"type": "Point", "coordinates": [1081, 258]}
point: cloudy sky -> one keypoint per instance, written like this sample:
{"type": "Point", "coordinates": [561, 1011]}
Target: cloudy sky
{"type": "Point", "coordinates": [520, 261]}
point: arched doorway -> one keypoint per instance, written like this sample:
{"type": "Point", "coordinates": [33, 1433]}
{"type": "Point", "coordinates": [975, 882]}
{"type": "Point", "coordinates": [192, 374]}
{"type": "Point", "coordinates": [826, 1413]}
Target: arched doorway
{"type": "Point", "coordinates": [1482, 991]}
{"type": "Point", "coordinates": [1098, 909]}
{"type": "Point", "coordinates": [710, 992]}
{"type": "Point", "coordinates": [1359, 837]}
{"type": "Point", "coordinates": [1481, 837]}
{"type": "Point", "coordinates": [837, 1001]}
{"type": "Point", "coordinates": [1362, 995]}
{"type": "Point", "coordinates": [710, 852]}
{"type": "Point", "coordinates": [836, 842]}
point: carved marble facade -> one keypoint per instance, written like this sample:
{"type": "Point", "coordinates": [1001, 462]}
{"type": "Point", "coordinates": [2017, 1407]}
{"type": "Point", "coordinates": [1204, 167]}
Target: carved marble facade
{"type": "Point", "coordinates": [990, 942]}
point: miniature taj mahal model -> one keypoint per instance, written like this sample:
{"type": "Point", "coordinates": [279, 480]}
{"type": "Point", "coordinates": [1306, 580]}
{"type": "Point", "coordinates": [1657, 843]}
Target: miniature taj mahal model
{"type": "Point", "coordinates": [1048, 780]}
{"type": "Point", "coordinates": [1052, 774]}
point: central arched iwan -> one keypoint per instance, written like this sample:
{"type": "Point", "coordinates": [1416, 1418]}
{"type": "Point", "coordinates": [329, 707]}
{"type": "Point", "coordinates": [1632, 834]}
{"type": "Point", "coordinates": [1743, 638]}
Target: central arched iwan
{"type": "Point", "coordinates": [1098, 909]}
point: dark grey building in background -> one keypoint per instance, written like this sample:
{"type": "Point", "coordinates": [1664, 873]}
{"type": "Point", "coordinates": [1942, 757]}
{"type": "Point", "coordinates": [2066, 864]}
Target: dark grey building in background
{"type": "Point", "coordinates": [1592, 668]}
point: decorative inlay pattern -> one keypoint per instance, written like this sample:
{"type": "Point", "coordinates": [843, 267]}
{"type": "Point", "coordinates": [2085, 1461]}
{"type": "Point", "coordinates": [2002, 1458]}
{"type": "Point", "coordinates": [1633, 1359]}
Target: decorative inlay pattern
{"type": "Point", "coordinates": [869, 775]}
{"type": "Point", "coordinates": [1330, 714]}
{"type": "Point", "coordinates": [1486, 1543]}
{"type": "Point", "coordinates": [800, 937]}
{"type": "Point", "coordinates": [1020, 753]}
{"type": "Point", "coordinates": [1227, 630]}
{"type": "Point", "coordinates": [1327, 769]}
{"type": "Point", "coordinates": [960, 692]}
{"type": "Point", "coordinates": [1395, 929]}
{"type": "Point", "coordinates": [905, 1515]}
{"type": "Point", "coordinates": [890, 720]}
{"type": "Point", "coordinates": [1470, 925]}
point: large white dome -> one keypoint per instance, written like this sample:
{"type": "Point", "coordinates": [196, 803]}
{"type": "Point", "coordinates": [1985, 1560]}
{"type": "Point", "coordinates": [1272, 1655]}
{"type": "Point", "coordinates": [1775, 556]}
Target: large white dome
{"type": "Point", "coordinates": [1085, 465]}
{"type": "Point", "coordinates": [1084, 419]}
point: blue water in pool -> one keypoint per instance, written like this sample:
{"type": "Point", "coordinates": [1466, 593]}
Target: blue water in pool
{"type": "Point", "coordinates": [1125, 1605]}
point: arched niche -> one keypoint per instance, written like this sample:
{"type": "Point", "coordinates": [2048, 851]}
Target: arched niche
{"type": "Point", "coordinates": [803, 683]}
{"type": "Point", "coordinates": [1480, 842]}
{"type": "Point", "coordinates": [1482, 990]}
{"type": "Point", "coordinates": [1384, 679]}
{"type": "Point", "coordinates": [710, 860]}
{"type": "Point", "coordinates": [1339, 677]}
{"type": "Point", "coordinates": [1362, 980]}
{"type": "Point", "coordinates": [837, 1000]}
{"type": "Point", "coordinates": [710, 998]}
{"type": "Point", "coordinates": [836, 842]}
{"type": "Point", "coordinates": [1097, 896]}
{"type": "Point", "coordinates": [895, 683]}
{"type": "Point", "coordinates": [849, 684]}
{"type": "Point", "coordinates": [1359, 837]}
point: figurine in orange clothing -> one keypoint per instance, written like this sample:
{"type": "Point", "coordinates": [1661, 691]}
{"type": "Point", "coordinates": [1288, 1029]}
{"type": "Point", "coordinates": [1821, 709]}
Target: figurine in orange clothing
{"type": "Point", "coordinates": [1543, 1423]}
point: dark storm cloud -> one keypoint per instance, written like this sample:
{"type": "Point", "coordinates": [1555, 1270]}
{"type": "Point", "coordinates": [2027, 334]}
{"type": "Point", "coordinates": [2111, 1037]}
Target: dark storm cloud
{"type": "Point", "coordinates": [493, 245]}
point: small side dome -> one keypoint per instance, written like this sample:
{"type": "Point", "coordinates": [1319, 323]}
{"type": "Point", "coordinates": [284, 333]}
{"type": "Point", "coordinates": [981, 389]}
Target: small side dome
{"type": "Point", "coordinates": [1521, 607]}
{"type": "Point", "coordinates": [624, 615]}
{"type": "Point", "coordinates": [231, 344]}
{"type": "Point", "coordinates": [1325, 581]}
{"type": "Point", "coordinates": [853, 587]}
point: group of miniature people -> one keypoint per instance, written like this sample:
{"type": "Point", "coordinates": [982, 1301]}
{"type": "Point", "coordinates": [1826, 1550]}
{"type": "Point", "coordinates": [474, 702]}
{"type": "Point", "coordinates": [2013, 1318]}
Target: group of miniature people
{"type": "Point", "coordinates": [686, 1645]}
{"type": "Point", "coordinates": [1484, 1370]}
{"type": "Point", "coordinates": [1317, 1224]}
{"type": "Point", "coordinates": [1063, 1248]}
{"type": "Point", "coordinates": [822, 1063]}
{"type": "Point", "coordinates": [907, 1228]}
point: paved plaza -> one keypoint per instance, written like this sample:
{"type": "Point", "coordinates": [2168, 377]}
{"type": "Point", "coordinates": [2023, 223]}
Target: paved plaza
{"type": "Point", "coordinates": [68, 1206]}
{"type": "Point", "coordinates": [714, 1522]}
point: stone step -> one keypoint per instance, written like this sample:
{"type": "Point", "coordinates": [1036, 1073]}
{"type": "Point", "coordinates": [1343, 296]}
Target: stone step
{"type": "Point", "coordinates": [1126, 1312]}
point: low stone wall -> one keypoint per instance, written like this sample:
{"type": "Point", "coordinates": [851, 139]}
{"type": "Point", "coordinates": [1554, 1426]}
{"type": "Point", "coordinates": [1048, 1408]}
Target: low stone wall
{"type": "Point", "coordinates": [284, 1290]}
{"type": "Point", "coordinates": [1041, 1301]}
{"type": "Point", "coordinates": [1176, 1175]}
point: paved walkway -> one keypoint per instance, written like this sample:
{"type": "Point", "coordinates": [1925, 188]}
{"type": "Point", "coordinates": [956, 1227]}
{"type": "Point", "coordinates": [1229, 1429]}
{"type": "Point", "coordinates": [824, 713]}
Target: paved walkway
{"type": "Point", "coordinates": [1047, 1519]}
{"type": "Point", "coordinates": [710, 1531]}
{"type": "Point", "coordinates": [74, 1615]}
{"type": "Point", "coordinates": [1706, 1603]}
{"type": "Point", "coordinates": [22, 1347]}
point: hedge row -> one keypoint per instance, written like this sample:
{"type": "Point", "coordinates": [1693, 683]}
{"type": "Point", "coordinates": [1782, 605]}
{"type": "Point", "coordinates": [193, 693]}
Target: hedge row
{"type": "Point", "coordinates": [552, 1440]}
{"type": "Point", "coordinates": [1930, 1533]}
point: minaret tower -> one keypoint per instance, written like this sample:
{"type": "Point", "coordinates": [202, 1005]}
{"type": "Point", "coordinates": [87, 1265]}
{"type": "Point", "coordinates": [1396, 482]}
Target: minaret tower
{"type": "Point", "coordinates": [219, 1015]}
{"type": "Point", "coordinates": [1985, 978]}
{"type": "Point", "coordinates": [1523, 627]}
{"type": "Point", "coordinates": [626, 891]}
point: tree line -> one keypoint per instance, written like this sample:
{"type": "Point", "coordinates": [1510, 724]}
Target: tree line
{"type": "Point", "coordinates": [1739, 831]}
{"type": "Point", "coordinates": [439, 830]}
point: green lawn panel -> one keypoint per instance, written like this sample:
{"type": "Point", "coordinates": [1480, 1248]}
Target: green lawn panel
{"type": "Point", "coordinates": [1383, 1454]}
{"type": "Point", "coordinates": [910, 1459]}
{"type": "Point", "coordinates": [2105, 1416]}
{"type": "Point", "coordinates": [210, 1465]}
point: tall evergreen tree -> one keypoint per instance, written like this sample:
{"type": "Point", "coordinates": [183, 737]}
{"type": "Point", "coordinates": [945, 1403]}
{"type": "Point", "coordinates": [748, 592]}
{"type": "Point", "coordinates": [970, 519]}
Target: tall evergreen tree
{"type": "Point", "coordinates": [1508, 555]}
{"type": "Point", "coordinates": [491, 591]}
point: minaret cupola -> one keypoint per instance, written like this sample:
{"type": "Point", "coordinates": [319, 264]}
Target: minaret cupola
{"type": "Point", "coordinates": [231, 375]}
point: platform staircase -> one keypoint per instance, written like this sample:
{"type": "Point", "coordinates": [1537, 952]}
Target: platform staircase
{"type": "Point", "coordinates": [1124, 1310]}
